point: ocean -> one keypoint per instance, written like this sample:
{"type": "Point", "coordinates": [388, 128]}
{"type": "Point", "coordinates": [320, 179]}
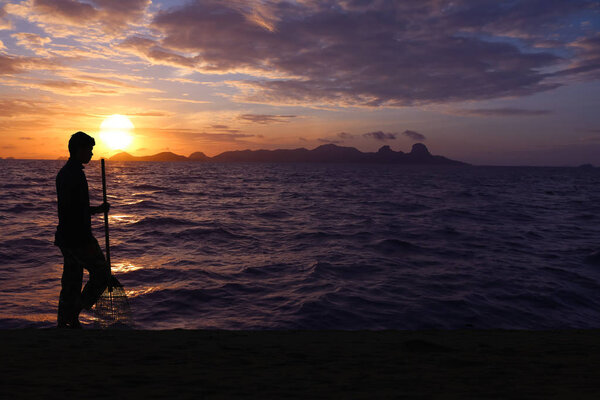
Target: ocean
{"type": "Point", "coordinates": [318, 246]}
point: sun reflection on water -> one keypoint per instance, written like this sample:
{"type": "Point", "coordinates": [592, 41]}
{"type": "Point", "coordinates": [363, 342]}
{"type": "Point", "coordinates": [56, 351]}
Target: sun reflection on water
{"type": "Point", "coordinates": [123, 219]}
{"type": "Point", "coordinates": [141, 291]}
{"type": "Point", "coordinates": [132, 203]}
{"type": "Point", "coordinates": [124, 267]}
{"type": "Point", "coordinates": [41, 317]}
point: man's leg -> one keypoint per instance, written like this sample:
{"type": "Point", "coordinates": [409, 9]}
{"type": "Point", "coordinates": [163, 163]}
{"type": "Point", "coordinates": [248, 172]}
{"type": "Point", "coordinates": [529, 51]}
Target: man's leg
{"type": "Point", "coordinates": [69, 300]}
{"type": "Point", "coordinates": [99, 277]}
{"type": "Point", "coordinates": [98, 280]}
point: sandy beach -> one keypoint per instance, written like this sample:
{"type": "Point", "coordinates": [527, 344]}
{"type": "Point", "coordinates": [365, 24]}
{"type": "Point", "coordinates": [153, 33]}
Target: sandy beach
{"type": "Point", "coordinates": [300, 364]}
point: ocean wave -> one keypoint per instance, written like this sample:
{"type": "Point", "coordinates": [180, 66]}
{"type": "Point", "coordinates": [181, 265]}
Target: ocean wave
{"type": "Point", "coordinates": [593, 258]}
{"type": "Point", "coordinates": [23, 323]}
{"type": "Point", "coordinates": [161, 221]}
{"type": "Point", "coordinates": [275, 214]}
{"type": "Point", "coordinates": [144, 205]}
{"type": "Point", "coordinates": [316, 235]}
{"type": "Point", "coordinates": [395, 246]}
{"type": "Point", "coordinates": [27, 243]}
{"type": "Point", "coordinates": [200, 233]}
{"type": "Point", "coordinates": [149, 187]}
{"type": "Point", "coordinates": [15, 185]}
{"type": "Point", "coordinates": [176, 299]}
{"type": "Point", "coordinates": [26, 207]}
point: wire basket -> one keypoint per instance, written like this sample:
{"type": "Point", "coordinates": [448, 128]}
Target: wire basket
{"type": "Point", "coordinates": [112, 309]}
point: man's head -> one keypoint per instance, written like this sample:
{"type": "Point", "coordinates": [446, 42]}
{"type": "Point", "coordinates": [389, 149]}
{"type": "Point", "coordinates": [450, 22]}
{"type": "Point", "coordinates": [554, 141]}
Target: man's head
{"type": "Point", "coordinates": [80, 147]}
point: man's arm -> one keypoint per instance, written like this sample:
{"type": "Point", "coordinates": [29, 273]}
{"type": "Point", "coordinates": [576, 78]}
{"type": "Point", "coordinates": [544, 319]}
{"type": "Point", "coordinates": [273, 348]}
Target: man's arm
{"type": "Point", "coordinates": [100, 209]}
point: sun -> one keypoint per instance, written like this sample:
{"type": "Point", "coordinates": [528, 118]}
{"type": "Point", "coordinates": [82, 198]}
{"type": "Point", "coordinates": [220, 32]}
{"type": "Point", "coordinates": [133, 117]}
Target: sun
{"type": "Point", "coordinates": [116, 132]}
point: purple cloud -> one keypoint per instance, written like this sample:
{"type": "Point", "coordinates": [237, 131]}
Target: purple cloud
{"type": "Point", "coordinates": [380, 135]}
{"type": "Point", "coordinates": [326, 140]}
{"type": "Point", "coordinates": [414, 135]}
{"type": "Point", "coordinates": [345, 135]}
{"type": "Point", "coordinates": [10, 65]}
{"type": "Point", "coordinates": [68, 9]}
{"type": "Point", "coordinates": [111, 14]}
{"type": "Point", "coordinates": [5, 23]}
{"type": "Point", "coordinates": [188, 134]}
{"type": "Point", "coordinates": [504, 112]}
{"type": "Point", "coordinates": [31, 41]}
{"type": "Point", "coordinates": [151, 51]}
{"type": "Point", "coordinates": [365, 53]}
{"type": "Point", "coordinates": [224, 129]}
{"type": "Point", "coordinates": [32, 109]}
{"type": "Point", "coordinates": [220, 137]}
{"type": "Point", "coordinates": [586, 66]}
{"type": "Point", "coordinates": [265, 118]}
{"type": "Point", "coordinates": [595, 138]}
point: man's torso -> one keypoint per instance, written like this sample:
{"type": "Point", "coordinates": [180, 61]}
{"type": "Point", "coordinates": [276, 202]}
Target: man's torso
{"type": "Point", "coordinates": [74, 219]}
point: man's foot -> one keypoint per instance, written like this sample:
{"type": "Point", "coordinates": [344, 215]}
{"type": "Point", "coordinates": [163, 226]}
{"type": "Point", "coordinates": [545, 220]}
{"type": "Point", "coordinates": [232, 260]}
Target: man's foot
{"type": "Point", "coordinates": [75, 324]}
{"type": "Point", "coordinates": [71, 322]}
{"type": "Point", "coordinates": [62, 322]}
{"type": "Point", "coordinates": [72, 325]}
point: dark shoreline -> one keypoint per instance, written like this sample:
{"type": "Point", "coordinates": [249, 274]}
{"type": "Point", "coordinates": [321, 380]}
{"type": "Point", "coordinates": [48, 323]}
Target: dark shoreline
{"type": "Point", "coordinates": [300, 364]}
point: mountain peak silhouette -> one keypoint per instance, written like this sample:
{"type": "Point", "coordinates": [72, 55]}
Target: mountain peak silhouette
{"type": "Point", "coordinates": [164, 156]}
{"type": "Point", "coordinates": [419, 149]}
{"type": "Point", "coordinates": [199, 156]}
{"type": "Point", "coordinates": [326, 153]}
{"type": "Point", "coordinates": [385, 150]}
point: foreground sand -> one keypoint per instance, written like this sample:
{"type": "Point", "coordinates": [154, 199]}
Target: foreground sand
{"type": "Point", "coordinates": [299, 364]}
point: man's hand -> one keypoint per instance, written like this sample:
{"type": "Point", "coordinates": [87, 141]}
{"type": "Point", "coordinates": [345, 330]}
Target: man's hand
{"type": "Point", "coordinates": [104, 207]}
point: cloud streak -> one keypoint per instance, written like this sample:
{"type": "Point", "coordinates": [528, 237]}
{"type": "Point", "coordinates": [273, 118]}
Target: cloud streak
{"type": "Point", "coordinates": [5, 23]}
{"type": "Point", "coordinates": [109, 15]}
{"type": "Point", "coordinates": [217, 137]}
{"type": "Point", "coordinates": [156, 54]}
{"type": "Point", "coordinates": [179, 100]}
{"type": "Point", "coordinates": [17, 108]}
{"type": "Point", "coordinates": [265, 118]}
{"type": "Point", "coordinates": [220, 137]}
{"type": "Point", "coordinates": [329, 141]}
{"type": "Point", "coordinates": [504, 112]}
{"type": "Point", "coordinates": [11, 65]}
{"type": "Point", "coordinates": [82, 86]}
{"type": "Point", "coordinates": [414, 135]}
{"type": "Point", "coordinates": [380, 135]}
{"type": "Point", "coordinates": [224, 129]}
{"type": "Point", "coordinates": [31, 41]}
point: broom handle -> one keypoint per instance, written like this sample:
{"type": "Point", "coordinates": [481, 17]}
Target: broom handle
{"type": "Point", "coordinates": [105, 214]}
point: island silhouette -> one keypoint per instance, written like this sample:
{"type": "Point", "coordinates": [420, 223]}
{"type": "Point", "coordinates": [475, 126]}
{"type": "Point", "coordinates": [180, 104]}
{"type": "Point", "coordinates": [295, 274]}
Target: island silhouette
{"type": "Point", "coordinates": [327, 153]}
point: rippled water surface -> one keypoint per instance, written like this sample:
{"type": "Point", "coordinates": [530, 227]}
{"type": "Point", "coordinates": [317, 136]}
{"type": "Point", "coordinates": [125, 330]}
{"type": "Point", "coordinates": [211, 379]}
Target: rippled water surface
{"type": "Point", "coordinates": [279, 246]}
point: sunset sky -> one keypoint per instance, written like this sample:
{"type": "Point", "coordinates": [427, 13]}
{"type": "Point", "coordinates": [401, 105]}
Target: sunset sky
{"type": "Point", "coordinates": [486, 82]}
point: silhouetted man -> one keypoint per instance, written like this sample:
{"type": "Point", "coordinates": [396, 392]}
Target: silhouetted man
{"type": "Point", "coordinates": [74, 236]}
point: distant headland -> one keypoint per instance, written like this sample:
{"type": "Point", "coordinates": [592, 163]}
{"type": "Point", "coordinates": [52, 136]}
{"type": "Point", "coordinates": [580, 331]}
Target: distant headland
{"type": "Point", "coordinates": [328, 153]}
